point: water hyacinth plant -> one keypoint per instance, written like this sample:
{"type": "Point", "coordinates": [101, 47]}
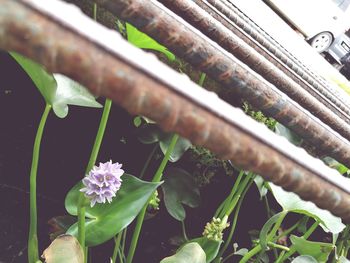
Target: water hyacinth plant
{"type": "Point", "coordinates": [173, 209]}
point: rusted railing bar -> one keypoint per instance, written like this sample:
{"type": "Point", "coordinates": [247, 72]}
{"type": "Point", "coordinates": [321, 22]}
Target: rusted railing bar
{"type": "Point", "coordinates": [239, 32]}
{"type": "Point", "coordinates": [235, 15]}
{"type": "Point", "coordinates": [201, 20]}
{"type": "Point", "coordinates": [109, 66]}
{"type": "Point", "coordinates": [189, 43]}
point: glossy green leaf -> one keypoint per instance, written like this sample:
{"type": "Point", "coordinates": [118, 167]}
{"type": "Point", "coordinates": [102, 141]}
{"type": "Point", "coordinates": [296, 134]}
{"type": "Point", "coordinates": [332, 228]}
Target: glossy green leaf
{"type": "Point", "coordinates": [304, 259]}
{"type": "Point", "coordinates": [64, 249]}
{"type": "Point", "coordinates": [292, 203]}
{"type": "Point", "coordinates": [210, 247]}
{"type": "Point", "coordinates": [141, 40]}
{"type": "Point", "coordinates": [44, 81]}
{"type": "Point", "coordinates": [181, 146]}
{"type": "Point", "coordinates": [265, 230]}
{"type": "Point", "coordinates": [179, 188]}
{"type": "Point", "coordinates": [59, 91]}
{"type": "Point", "coordinates": [318, 250]}
{"type": "Point", "coordinates": [260, 184]}
{"type": "Point", "coordinates": [288, 134]}
{"type": "Point", "coordinates": [191, 252]}
{"type": "Point", "coordinates": [70, 92]}
{"type": "Point", "coordinates": [106, 220]}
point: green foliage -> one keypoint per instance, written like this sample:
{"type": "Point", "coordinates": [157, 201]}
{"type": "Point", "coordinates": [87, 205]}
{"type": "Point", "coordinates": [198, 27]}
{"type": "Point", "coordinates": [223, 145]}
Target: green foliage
{"type": "Point", "coordinates": [288, 134]}
{"type": "Point", "coordinates": [266, 228]}
{"type": "Point", "coordinates": [141, 40]}
{"type": "Point", "coordinates": [191, 252]}
{"type": "Point", "coordinates": [64, 249]}
{"type": "Point", "coordinates": [342, 169]}
{"type": "Point", "coordinates": [259, 116]}
{"type": "Point", "coordinates": [179, 188]}
{"type": "Point", "coordinates": [210, 247]}
{"type": "Point", "coordinates": [292, 203]}
{"type": "Point", "coordinates": [318, 250]}
{"type": "Point", "coordinates": [304, 259]}
{"type": "Point", "coordinates": [57, 90]}
{"type": "Point", "coordinates": [106, 220]}
{"type": "Point", "coordinates": [150, 133]}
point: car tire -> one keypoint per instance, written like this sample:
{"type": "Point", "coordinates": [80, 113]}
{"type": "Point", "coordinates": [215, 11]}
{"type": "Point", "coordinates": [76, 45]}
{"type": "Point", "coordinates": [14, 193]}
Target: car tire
{"type": "Point", "coordinates": [321, 41]}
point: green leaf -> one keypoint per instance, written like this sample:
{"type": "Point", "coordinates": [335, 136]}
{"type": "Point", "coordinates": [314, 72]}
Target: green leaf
{"type": "Point", "coordinates": [141, 40]}
{"type": "Point", "coordinates": [191, 252]}
{"type": "Point", "coordinates": [342, 259]}
{"type": "Point", "coordinates": [260, 184]}
{"type": "Point", "coordinates": [179, 188]}
{"type": "Point", "coordinates": [318, 250]}
{"type": "Point", "coordinates": [137, 121]}
{"type": "Point", "coordinates": [181, 146]}
{"type": "Point", "coordinates": [58, 91]}
{"type": "Point", "coordinates": [304, 259]}
{"type": "Point", "coordinates": [288, 134]}
{"type": "Point", "coordinates": [44, 81]}
{"type": "Point", "coordinates": [70, 92]}
{"type": "Point", "coordinates": [64, 249]}
{"type": "Point", "coordinates": [342, 169]}
{"type": "Point", "coordinates": [265, 230]}
{"type": "Point", "coordinates": [106, 220]}
{"type": "Point", "coordinates": [150, 133]}
{"type": "Point", "coordinates": [210, 247]}
{"type": "Point", "coordinates": [292, 203]}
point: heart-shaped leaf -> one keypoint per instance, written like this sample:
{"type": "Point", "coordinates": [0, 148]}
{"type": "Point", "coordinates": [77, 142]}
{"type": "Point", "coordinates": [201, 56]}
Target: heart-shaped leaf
{"type": "Point", "coordinates": [44, 81]}
{"type": "Point", "coordinates": [181, 146]}
{"type": "Point", "coordinates": [191, 252]}
{"type": "Point", "coordinates": [318, 250]}
{"type": "Point", "coordinates": [64, 249]}
{"type": "Point", "coordinates": [58, 91]}
{"type": "Point", "coordinates": [141, 40]}
{"type": "Point", "coordinates": [70, 92]}
{"type": "Point", "coordinates": [179, 188]}
{"type": "Point", "coordinates": [292, 203]}
{"type": "Point", "coordinates": [210, 247]}
{"type": "Point", "coordinates": [304, 259]}
{"type": "Point", "coordinates": [106, 220]}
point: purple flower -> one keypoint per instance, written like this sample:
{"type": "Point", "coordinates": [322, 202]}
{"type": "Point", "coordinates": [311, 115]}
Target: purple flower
{"type": "Point", "coordinates": [103, 182]}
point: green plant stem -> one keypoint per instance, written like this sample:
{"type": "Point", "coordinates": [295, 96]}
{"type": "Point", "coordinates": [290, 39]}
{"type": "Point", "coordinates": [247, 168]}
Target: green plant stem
{"type": "Point", "coordinates": [93, 156]}
{"type": "Point", "coordinates": [95, 12]}
{"type": "Point", "coordinates": [116, 246]}
{"type": "Point", "coordinates": [233, 227]}
{"type": "Point", "coordinates": [220, 212]}
{"type": "Point", "coordinates": [279, 259]}
{"type": "Point", "coordinates": [184, 230]}
{"type": "Point", "coordinates": [274, 245]}
{"type": "Point", "coordinates": [240, 190]}
{"type": "Point", "coordinates": [202, 79]}
{"type": "Point", "coordinates": [308, 233]}
{"type": "Point", "coordinates": [33, 248]}
{"type": "Point", "coordinates": [157, 177]}
{"type": "Point", "coordinates": [269, 237]}
{"type": "Point", "coordinates": [149, 159]}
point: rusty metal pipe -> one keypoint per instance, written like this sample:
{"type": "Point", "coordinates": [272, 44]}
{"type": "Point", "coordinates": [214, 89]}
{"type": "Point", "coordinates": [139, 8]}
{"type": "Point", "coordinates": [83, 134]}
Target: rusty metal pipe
{"type": "Point", "coordinates": [187, 42]}
{"type": "Point", "coordinates": [65, 41]}
{"type": "Point", "coordinates": [272, 59]}
{"type": "Point", "coordinates": [235, 15]}
{"type": "Point", "coordinates": [201, 20]}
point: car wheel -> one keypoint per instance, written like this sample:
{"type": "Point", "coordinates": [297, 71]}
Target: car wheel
{"type": "Point", "coordinates": [321, 41]}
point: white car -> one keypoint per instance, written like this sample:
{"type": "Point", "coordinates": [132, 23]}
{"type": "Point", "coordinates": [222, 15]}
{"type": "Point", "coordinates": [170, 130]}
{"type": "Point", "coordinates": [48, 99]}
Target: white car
{"type": "Point", "coordinates": [320, 21]}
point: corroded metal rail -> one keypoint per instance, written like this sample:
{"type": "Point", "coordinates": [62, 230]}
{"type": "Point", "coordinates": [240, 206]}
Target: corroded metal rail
{"type": "Point", "coordinates": [236, 16]}
{"type": "Point", "coordinates": [187, 42]}
{"type": "Point", "coordinates": [65, 41]}
{"type": "Point", "coordinates": [239, 32]}
{"type": "Point", "coordinates": [201, 20]}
